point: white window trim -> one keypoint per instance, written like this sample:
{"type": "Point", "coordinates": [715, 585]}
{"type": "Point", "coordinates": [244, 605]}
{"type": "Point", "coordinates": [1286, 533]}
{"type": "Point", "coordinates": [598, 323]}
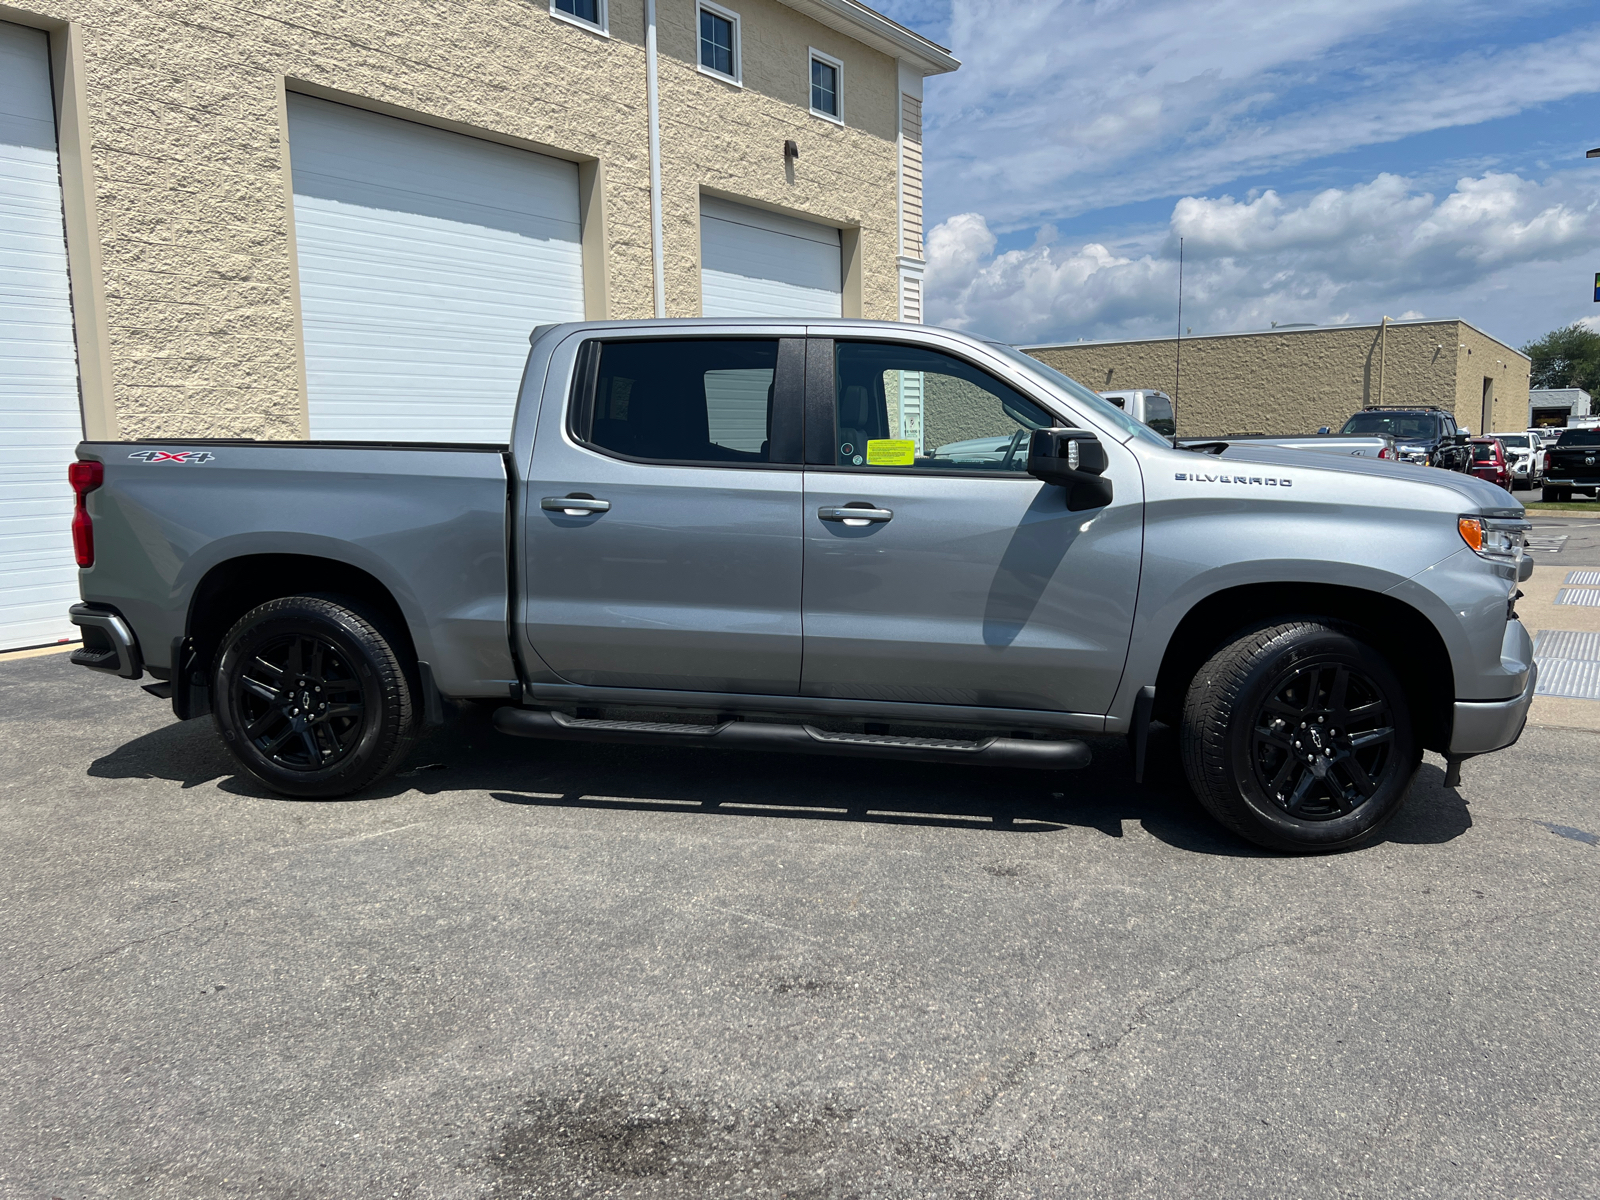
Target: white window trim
{"type": "Point", "coordinates": [727, 14]}
{"type": "Point", "coordinates": [603, 28]}
{"type": "Point", "coordinates": [838, 84]}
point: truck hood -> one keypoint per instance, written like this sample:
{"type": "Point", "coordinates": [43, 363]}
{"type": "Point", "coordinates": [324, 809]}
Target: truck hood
{"type": "Point", "coordinates": [1471, 494]}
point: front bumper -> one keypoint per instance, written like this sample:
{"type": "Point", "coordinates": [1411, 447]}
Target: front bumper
{"type": "Point", "coordinates": [1484, 726]}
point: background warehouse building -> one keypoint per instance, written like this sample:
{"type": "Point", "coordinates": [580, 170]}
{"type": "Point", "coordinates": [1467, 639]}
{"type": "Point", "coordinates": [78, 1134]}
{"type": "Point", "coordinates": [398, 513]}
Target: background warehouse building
{"type": "Point", "coordinates": [340, 220]}
{"type": "Point", "coordinates": [1294, 380]}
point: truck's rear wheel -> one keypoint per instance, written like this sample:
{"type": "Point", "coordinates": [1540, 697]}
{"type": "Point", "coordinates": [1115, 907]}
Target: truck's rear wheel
{"type": "Point", "coordinates": [312, 698]}
{"type": "Point", "coordinates": [1297, 736]}
{"type": "Point", "coordinates": [1554, 494]}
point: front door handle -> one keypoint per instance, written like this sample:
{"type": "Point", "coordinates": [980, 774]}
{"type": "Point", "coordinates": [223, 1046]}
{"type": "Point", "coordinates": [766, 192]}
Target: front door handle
{"type": "Point", "coordinates": [574, 506]}
{"type": "Point", "coordinates": [856, 515]}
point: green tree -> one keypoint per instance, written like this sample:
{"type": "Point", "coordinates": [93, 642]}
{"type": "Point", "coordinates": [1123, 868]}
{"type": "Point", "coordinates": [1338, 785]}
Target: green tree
{"type": "Point", "coordinates": [1568, 357]}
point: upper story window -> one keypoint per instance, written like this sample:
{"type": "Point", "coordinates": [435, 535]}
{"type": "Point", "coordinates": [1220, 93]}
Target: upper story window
{"type": "Point", "coordinates": [589, 13]}
{"type": "Point", "coordinates": [826, 74]}
{"type": "Point", "coordinates": [719, 41]}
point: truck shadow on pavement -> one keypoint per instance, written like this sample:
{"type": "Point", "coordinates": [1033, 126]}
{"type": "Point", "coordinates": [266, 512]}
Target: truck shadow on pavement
{"type": "Point", "coordinates": [468, 755]}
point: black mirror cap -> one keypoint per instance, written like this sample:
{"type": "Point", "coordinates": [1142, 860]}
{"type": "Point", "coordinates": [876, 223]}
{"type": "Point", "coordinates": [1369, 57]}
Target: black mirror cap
{"type": "Point", "coordinates": [1051, 450]}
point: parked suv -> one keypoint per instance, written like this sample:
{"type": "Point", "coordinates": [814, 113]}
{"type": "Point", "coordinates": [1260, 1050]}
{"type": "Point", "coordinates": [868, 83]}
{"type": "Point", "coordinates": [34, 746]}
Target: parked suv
{"type": "Point", "coordinates": [1525, 457]}
{"type": "Point", "coordinates": [1489, 462]}
{"type": "Point", "coordinates": [1422, 435]}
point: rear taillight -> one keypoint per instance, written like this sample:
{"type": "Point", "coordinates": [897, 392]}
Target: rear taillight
{"type": "Point", "coordinates": [1547, 460]}
{"type": "Point", "coordinates": [84, 477]}
{"type": "Point", "coordinates": [1384, 453]}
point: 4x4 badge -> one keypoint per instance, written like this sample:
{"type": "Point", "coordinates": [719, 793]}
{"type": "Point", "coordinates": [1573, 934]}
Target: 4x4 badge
{"type": "Point", "coordinates": [177, 456]}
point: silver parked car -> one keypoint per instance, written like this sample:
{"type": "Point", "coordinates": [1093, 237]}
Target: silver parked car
{"type": "Point", "coordinates": [755, 534]}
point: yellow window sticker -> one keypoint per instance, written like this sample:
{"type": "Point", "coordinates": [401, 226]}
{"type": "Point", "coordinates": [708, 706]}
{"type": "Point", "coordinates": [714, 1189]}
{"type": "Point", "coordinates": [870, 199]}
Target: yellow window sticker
{"type": "Point", "coordinates": [891, 452]}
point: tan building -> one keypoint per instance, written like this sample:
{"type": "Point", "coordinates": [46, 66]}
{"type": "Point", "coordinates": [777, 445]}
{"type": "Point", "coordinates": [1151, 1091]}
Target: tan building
{"type": "Point", "coordinates": [341, 218]}
{"type": "Point", "coordinates": [1297, 379]}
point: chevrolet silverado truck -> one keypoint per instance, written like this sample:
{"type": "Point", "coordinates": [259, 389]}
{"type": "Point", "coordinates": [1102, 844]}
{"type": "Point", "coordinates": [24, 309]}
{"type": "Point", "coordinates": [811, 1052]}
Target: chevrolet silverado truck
{"type": "Point", "coordinates": [745, 534]}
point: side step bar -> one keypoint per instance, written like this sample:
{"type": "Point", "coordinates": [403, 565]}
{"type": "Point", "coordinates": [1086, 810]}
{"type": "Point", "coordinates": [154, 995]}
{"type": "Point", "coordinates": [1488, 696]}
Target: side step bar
{"type": "Point", "coordinates": [1063, 755]}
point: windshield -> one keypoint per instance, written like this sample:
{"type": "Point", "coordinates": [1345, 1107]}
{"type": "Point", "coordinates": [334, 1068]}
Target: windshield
{"type": "Point", "coordinates": [1102, 408]}
{"type": "Point", "coordinates": [1580, 437]}
{"type": "Point", "coordinates": [1406, 427]}
{"type": "Point", "coordinates": [1517, 440]}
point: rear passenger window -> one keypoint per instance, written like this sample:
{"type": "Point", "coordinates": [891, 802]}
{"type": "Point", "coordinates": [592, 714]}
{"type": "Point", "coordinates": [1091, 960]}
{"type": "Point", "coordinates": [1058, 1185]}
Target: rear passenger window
{"type": "Point", "coordinates": [687, 401]}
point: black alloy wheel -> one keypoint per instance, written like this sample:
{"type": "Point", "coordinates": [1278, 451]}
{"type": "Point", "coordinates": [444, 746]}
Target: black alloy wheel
{"type": "Point", "coordinates": [314, 695]}
{"type": "Point", "coordinates": [1297, 735]}
{"type": "Point", "coordinates": [302, 702]}
{"type": "Point", "coordinates": [1323, 741]}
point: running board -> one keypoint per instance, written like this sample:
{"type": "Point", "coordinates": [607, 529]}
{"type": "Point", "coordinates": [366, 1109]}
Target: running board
{"type": "Point", "coordinates": [1065, 755]}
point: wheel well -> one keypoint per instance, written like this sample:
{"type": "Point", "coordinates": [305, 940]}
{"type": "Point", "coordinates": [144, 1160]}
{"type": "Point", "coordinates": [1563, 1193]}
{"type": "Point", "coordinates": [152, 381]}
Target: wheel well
{"type": "Point", "coordinates": [231, 589]}
{"type": "Point", "coordinates": [1405, 638]}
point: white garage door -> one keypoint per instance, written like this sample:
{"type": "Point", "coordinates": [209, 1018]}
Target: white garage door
{"type": "Point", "coordinates": [426, 259]}
{"type": "Point", "coordinates": [39, 419]}
{"type": "Point", "coordinates": [762, 264]}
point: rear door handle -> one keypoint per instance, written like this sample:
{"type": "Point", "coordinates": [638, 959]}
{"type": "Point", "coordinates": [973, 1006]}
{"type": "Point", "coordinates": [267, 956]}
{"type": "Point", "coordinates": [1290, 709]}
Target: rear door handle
{"type": "Point", "coordinates": [856, 516]}
{"type": "Point", "coordinates": [574, 506]}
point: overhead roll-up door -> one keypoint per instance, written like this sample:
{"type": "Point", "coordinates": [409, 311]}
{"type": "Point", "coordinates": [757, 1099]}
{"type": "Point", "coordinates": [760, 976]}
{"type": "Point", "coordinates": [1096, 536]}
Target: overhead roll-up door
{"type": "Point", "coordinates": [40, 421]}
{"type": "Point", "coordinates": [755, 263]}
{"type": "Point", "coordinates": [426, 259]}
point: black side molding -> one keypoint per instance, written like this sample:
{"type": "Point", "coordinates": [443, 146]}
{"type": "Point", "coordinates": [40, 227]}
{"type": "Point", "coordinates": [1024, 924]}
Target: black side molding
{"type": "Point", "coordinates": [1065, 755]}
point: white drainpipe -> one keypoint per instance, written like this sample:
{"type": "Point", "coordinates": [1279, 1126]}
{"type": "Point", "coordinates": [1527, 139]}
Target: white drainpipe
{"type": "Point", "coordinates": [657, 261]}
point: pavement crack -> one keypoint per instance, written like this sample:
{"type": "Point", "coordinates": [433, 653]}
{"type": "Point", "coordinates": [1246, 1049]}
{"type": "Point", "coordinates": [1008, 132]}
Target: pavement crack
{"type": "Point", "coordinates": [102, 955]}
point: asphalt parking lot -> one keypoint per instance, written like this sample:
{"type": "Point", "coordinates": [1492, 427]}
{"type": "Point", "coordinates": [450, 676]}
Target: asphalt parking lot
{"type": "Point", "coordinates": [528, 970]}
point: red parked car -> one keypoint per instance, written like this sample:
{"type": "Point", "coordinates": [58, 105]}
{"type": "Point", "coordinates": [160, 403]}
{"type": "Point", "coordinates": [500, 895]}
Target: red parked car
{"type": "Point", "coordinates": [1489, 461]}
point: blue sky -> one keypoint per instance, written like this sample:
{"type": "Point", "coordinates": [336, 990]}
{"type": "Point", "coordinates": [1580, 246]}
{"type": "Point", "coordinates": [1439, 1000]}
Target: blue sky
{"type": "Point", "coordinates": [1328, 161]}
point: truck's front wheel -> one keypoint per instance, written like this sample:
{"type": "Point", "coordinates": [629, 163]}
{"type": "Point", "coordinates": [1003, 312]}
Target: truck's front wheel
{"type": "Point", "coordinates": [312, 698]}
{"type": "Point", "coordinates": [1297, 736]}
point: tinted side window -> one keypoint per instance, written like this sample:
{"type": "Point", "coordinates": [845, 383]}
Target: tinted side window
{"type": "Point", "coordinates": [685, 401]}
{"type": "Point", "coordinates": [903, 406]}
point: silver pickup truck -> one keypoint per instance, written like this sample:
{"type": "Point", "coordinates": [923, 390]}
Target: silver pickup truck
{"type": "Point", "coordinates": [767, 536]}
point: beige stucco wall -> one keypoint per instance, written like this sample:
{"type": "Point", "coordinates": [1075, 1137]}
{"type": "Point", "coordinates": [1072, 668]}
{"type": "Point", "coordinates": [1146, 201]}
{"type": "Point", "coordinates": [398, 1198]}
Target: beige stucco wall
{"type": "Point", "coordinates": [1295, 381]}
{"type": "Point", "coordinates": [1481, 357]}
{"type": "Point", "coordinates": [184, 139]}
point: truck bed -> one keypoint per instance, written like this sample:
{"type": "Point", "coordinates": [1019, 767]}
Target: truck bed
{"type": "Point", "coordinates": [426, 521]}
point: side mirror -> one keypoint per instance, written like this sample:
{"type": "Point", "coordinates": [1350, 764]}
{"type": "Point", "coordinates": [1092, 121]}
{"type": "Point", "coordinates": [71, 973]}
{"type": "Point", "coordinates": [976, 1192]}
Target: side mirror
{"type": "Point", "coordinates": [1464, 432]}
{"type": "Point", "coordinates": [1325, 429]}
{"type": "Point", "coordinates": [1073, 459]}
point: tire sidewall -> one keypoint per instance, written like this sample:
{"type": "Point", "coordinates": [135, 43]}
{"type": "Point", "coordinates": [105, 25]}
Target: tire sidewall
{"type": "Point", "coordinates": [324, 620]}
{"type": "Point", "coordinates": [1323, 646]}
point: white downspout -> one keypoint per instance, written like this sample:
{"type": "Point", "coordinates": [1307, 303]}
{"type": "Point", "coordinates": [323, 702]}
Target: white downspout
{"type": "Point", "coordinates": [658, 263]}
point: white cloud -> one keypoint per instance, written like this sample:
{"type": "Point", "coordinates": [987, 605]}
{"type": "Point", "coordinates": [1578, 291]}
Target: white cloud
{"type": "Point", "coordinates": [1334, 256]}
{"type": "Point", "coordinates": [1067, 107]}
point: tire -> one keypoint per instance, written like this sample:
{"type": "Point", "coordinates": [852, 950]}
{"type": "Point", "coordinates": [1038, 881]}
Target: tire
{"type": "Point", "coordinates": [1272, 695]}
{"type": "Point", "coordinates": [1553, 495]}
{"type": "Point", "coordinates": [341, 670]}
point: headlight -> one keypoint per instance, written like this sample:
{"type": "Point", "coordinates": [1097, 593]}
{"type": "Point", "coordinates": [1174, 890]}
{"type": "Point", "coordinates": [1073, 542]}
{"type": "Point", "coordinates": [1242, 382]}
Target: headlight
{"type": "Point", "coordinates": [1494, 538]}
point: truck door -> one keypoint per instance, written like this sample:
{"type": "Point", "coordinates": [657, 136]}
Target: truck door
{"type": "Point", "coordinates": [963, 580]}
{"type": "Point", "coordinates": [662, 515]}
